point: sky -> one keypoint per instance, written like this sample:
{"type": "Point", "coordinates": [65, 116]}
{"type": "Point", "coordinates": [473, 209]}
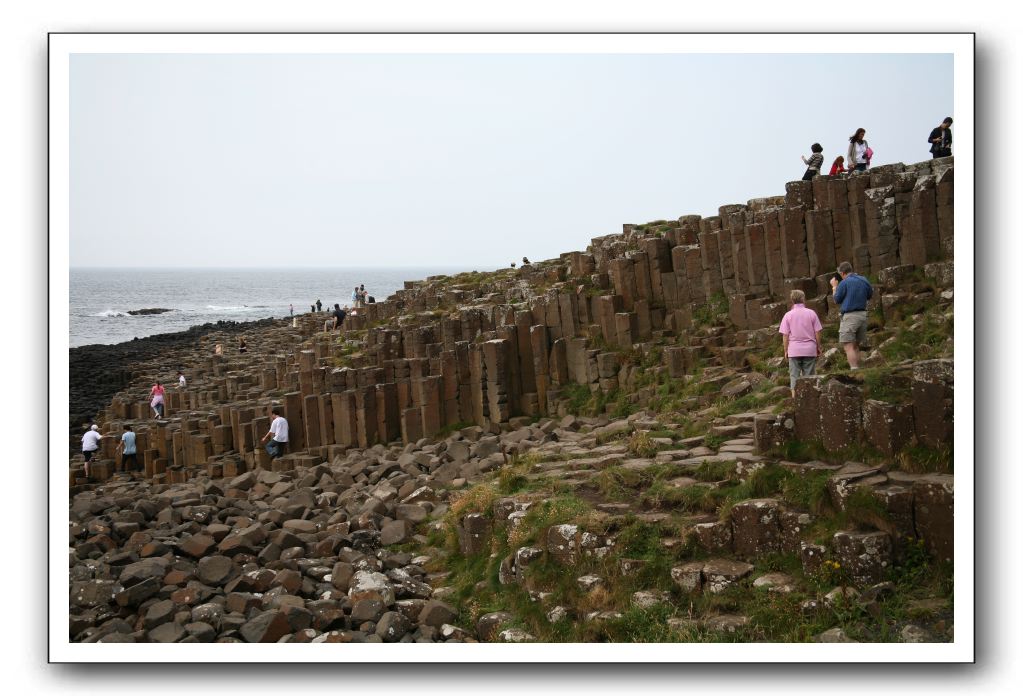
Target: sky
{"type": "Point", "coordinates": [244, 160]}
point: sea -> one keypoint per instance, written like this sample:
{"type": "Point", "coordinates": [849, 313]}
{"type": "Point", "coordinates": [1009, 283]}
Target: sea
{"type": "Point", "coordinates": [101, 298]}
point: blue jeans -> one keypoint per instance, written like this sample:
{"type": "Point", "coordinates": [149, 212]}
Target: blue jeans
{"type": "Point", "coordinates": [861, 167]}
{"type": "Point", "coordinates": [275, 449]}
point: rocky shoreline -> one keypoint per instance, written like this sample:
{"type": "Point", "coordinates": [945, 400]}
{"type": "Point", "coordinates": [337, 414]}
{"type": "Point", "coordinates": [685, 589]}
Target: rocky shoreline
{"type": "Point", "coordinates": [98, 371]}
{"type": "Point", "coordinates": [598, 447]}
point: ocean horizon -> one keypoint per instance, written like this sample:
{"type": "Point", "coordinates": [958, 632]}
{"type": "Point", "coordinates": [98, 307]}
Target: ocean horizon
{"type": "Point", "coordinates": [102, 297]}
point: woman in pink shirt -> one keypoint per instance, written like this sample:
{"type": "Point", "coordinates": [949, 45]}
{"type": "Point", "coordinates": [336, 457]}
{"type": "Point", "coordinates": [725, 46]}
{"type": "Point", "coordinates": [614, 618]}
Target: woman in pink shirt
{"type": "Point", "coordinates": [157, 399]}
{"type": "Point", "coordinates": [800, 339]}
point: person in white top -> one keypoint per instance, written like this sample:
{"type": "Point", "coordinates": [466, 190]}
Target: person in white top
{"type": "Point", "coordinates": [858, 155]}
{"type": "Point", "coordinates": [278, 432]}
{"type": "Point", "coordinates": [90, 445]}
{"type": "Point", "coordinates": [181, 379]}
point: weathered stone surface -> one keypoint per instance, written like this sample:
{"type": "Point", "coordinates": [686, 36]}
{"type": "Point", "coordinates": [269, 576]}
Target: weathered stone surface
{"type": "Point", "coordinates": [866, 556]}
{"type": "Point", "coordinates": [474, 533]}
{"type": "Point", "coordinates": [266, 627]}
{"type": "Point", "coordinates": [369, 584]}
{"type": "Point", "coordinates": [393, 626]}
{"type": "Point", "coordinates": [215, 570]}
{"type": "Point", "coordinates": [756, 528]}
{"type": "Point", "coordinates": [436, 613]}
{"type": "Point", "coordinates": [488, 625]}
{"type": "Point", "coordinates": [688, 576]}
{"type": "Point", "coordinates": [714, 536]}
{"type": "Point", "coordinates": [833, 635]}
{"type": "Point", "coordinates": [563, 543]}
{"type": "Point", "coordinates": [933, 510]}
{"type": "Point", "coordinates": [720, 574]}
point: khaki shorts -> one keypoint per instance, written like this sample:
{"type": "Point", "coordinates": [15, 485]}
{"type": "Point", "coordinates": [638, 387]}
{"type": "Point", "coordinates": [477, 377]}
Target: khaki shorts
{"type": "Point", "coordinates": [853, 327]}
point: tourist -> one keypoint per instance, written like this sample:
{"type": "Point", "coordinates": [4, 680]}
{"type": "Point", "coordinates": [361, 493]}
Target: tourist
{"type": "Point", "coordinates": [813, 165]}
{"type": "Point", "coordinates": [851, 295]}
{"type": "Point", "coordinates": [127, 449]}
{"type": "Point", "coordinates": [857, 154]}
{"type": "Point", "coordinates": [941, 139]}
{"type": "Point", "coordinates": [291, 310]}
{"type": "Point", "coordinates": [278, 432]}
{"type": "Point", "coordinates": [157, 399]}
{"type": "Point", "coordinates": [838, 166]}
{"type": "Point", "coordinates": [800, 339]}
{"type": "Point", "coordinates": [181, 379]}
{"type": "Point", "coordinates": [90, 445]}
{"type": "Point", "coordinates": [356, 297]}
{"type": "Point", "coordinates": [242, 348]}
{"type": "Point", "coordinates": [363, 294]}
{"type": "Point", "coordinates": [338, 317]}
{"type": "Point", "coordinates": [525, 261]}
{"type": "Point", "coordinates": [312, 309]}
{"type": "Point", "coordinates": [319, 306]}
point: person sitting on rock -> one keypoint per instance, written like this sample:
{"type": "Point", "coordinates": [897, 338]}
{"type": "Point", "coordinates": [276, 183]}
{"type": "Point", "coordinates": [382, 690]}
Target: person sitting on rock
{"type": "Point", "coordinates": [851, 295]}
{"type": "Point", "coordinates": [800, 331]}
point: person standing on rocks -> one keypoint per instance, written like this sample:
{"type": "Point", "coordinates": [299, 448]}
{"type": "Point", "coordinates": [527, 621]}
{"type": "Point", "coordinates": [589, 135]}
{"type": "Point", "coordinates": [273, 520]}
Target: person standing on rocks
{"type": "Point", "coordinates": [851, 295]}
{"type": "Point", "coordinates": [181, 380]}
{"type": "Point", "coordinates": [319, 306]}
{"type": "Point", "coordinates": [156, 394]}
{"type": "Point", "coordinates": [278, 434]}
{"type": "Point", "coordinates": [291, 310]}
{"type": "Point", "coordinates": [356, 297]}
{"type": "Point", "coordinates": [800, 331]}
{"type": "Point", "coordinates": [941, 139]}
{"type": "Point", "coordinates": [813, 165]}
{"type": "Point", "coordinates": [857, 155]}
{"type": "Point", "coordinates": [90, 445]}
{"type": "Point", "coordinates": [126, 447]}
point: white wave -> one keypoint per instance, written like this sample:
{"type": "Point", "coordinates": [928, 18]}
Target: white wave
{"type": "Point", "coordinates": [110, 313]}
{"type": "Point", "coordinates": [222, 308]}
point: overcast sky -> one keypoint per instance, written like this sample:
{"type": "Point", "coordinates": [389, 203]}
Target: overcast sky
{"type": "Point", "coordinates": [454, 160]}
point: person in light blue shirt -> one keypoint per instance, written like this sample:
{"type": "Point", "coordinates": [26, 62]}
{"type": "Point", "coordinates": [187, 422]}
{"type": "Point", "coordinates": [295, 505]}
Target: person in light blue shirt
{"type": "Point", "coordinates": [851, 295]}
{"type": "Point", "coordinates": [127, 449]}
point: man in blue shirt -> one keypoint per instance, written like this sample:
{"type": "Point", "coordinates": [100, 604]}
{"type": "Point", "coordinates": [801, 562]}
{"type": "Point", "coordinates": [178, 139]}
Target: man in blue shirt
{"type": "Point", "coordinates": [851, 295]}
{"type": "Point", "coordinates": [127, 448]}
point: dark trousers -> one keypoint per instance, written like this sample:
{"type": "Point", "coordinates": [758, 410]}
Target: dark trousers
{"type": "Point", "coordinates": [942, 152]}
{"type": "Point", "coordinates": [275, 449]}
{"type": "Point", "coordinates": [129, 458]}
{"type": "Point", "coordinates": [810, 173]}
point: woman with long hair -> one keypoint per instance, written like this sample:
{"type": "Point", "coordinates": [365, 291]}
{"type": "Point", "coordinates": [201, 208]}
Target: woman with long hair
{"type": "Point", "coordinates": [838, 166]}
{"type": "Point", "coordinates": [857, 154]}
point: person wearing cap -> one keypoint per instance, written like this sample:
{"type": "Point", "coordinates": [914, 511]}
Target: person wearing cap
{"type": "Point", "coordinates": [90, 445]}
{"type": "Point", "coordinates": [851, 295]}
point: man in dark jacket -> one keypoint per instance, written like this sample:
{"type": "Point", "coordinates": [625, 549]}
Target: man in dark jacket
{"type": "Point", "coordinates": [941, 139]}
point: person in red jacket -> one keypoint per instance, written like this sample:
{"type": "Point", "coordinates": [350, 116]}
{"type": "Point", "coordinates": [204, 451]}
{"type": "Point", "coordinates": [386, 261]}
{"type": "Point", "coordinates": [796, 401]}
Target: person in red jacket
{"type": "Point", "coordinates": [838, 166]}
